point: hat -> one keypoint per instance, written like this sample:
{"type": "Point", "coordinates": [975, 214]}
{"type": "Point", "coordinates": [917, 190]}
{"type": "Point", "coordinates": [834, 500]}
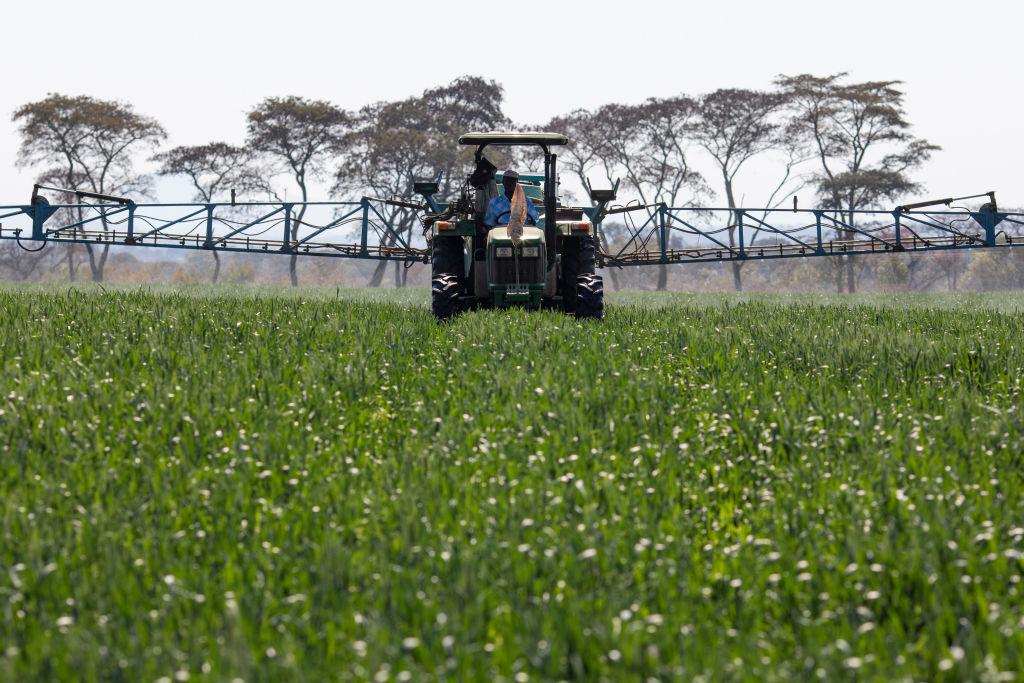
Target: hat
{"type": "Point", "coordinates": [510, 174]}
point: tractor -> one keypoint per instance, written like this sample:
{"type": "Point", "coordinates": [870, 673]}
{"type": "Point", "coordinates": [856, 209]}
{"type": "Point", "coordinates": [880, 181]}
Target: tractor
{"type": "Point", "coordinates": [551, 265]}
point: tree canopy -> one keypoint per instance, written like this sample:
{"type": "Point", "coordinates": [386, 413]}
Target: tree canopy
{"type": "Point", "coordinates": [84, 143]}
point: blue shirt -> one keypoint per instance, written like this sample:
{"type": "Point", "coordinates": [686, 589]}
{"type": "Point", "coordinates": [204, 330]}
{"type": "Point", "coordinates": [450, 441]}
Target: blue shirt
{"type": "Point", "coordinates": [501, 205]}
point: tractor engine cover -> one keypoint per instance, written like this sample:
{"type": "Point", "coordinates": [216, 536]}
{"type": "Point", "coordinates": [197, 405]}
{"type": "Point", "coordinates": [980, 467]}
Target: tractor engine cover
{"type": "Point", "coordinates": [516, 273]}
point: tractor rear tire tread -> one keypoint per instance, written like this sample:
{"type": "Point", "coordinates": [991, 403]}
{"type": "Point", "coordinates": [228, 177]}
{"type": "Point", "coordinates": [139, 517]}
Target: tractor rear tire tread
{"type": "Point", "coordinates": [446, 256]}
{"type": "Point", "coordinates": [578, 259]}
{"type": "Point", "coordinates": [590, 297]}
{"type": "Point", "coordinates": [444, 296]}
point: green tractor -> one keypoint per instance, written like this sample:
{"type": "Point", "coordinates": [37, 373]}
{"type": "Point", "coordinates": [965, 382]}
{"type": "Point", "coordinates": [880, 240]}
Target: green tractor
{"type": "Point", "coordinates": [550, 265]}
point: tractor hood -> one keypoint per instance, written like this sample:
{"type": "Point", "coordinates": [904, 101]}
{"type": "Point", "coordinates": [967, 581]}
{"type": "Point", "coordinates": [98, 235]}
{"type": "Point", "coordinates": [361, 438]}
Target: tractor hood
{"type": "Point", "coordinates": [499, 235]}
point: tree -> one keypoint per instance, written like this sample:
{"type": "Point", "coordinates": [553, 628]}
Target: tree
{"type": "Point", "coordinates": [648, 145]}
{"type": "Point", "coordinates": [87, 144]}
{"type": "Point", "coordinates": [662, 164]}
{"type": "Point", "coordinates": [301, 138]}
{"type": "Point", "coordinates": [396, 142]}
{"type": "Point", "coordinates": [995, 269]}
{"type": "Point", "coordinates": [734, 126]}
{"type": "Point", "coordinates": [862, 142]}
{"type": "Point", "coordinates": [581, 157]}
{"type": "Point", "coordinates": [23, 262]}
{"type": "Point", "coordinates": [214, 169]}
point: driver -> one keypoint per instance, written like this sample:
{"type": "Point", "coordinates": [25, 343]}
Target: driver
{"type": "Point", "coordinates": [499, 210]}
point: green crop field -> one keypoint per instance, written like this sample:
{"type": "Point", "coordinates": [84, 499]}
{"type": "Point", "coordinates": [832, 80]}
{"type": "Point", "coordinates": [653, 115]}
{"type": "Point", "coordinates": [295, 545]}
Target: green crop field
{"type": "Point", "coordinates": [329, 486]}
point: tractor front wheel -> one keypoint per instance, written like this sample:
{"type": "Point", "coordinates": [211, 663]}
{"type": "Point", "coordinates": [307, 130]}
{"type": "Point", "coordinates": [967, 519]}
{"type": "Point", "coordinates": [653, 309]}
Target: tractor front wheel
{"type": "Point", "coordinates": [590, 297]}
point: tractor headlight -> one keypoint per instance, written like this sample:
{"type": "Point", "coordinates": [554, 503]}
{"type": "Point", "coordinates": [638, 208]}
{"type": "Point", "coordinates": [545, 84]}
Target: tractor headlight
{"type": "Point", "coordinates": [531, 252]}
{"type": "Point", "coordinates": [503, 252]}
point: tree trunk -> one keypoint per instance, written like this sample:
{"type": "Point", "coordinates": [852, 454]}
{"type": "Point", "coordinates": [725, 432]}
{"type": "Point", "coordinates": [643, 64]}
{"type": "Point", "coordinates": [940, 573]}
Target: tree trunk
{"type": "Point", "coordinates": [382, 266]}
{"type": "Point", "coordinates": [662, 277]}
{"type": "Point", "coordinates": [293, 271]}
{"type": "Point", "coordinates": [97, 263]}
{"type": "Point", "coordinates": [737, 275]}
{"type": "Point", "coordinates": [839, 274]}
{"type": "Point", "coordinates": [378, 274]}
{"type": "Point", "coordinates": [851, 285]}
{"type": "Point", "coordinates": [72, 274]}
{"type": "Point", "coordinates": [216, 267]}
{"type": "Point", "coordinates": [403, 265]}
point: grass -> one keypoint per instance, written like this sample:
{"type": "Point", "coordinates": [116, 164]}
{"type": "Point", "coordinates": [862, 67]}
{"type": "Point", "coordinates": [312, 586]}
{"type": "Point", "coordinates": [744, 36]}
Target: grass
{"type": "Point", "coordinates": [318, 486]}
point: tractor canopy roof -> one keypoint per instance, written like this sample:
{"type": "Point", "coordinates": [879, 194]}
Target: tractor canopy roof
{"type": "Point", "coordinates": [501, 138]}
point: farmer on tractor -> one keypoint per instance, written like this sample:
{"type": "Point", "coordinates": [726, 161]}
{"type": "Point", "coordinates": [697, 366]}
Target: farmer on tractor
{"type": "Point", "coordinates": [500, 208]}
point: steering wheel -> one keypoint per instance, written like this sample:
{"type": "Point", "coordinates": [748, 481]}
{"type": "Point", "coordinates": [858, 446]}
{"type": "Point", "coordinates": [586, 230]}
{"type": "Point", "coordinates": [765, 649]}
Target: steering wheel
{"type": "Point", "coordinates": [497, 219]}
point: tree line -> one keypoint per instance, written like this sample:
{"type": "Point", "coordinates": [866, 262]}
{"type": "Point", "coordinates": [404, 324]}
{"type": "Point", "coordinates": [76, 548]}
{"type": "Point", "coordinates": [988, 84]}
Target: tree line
{"type": "Point", "coordinates": [848, 141]}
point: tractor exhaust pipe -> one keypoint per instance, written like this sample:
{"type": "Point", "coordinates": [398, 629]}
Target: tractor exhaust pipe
{"type": "Point", "coordinates": [550, 207]}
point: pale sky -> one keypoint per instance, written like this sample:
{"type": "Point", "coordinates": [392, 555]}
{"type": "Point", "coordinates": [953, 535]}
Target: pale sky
{"type": "Point", "coordinates": [198, 66]}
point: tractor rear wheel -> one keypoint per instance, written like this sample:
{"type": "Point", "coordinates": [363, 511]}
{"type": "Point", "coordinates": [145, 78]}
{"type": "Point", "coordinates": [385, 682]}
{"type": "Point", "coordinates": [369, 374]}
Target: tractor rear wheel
{"type": "Point", "coordinates": [590, 297]}
{"type": "Point", "coordinates": [446, 270]}
{"type": "Point", "coordinates": [578, 258]}
{"type": "Point", "coordinates": [446, 256]}
{"type": "Point", "coordinates": [444, 296]}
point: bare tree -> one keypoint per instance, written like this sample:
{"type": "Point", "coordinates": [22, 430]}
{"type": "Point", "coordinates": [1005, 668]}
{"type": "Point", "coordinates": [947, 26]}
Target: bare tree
{"type": "Point", "coordinates": [215, 169]}
{"type": "Point", "coordinates": [396, 142]}
{"type": "Point", "coordinates": [23, 263]}
{"type": "Point", "coordinates": [645, 145]}
{"type": "Point", "coordinates": [862, 142]}
{"type": "Point", "coordinates": [648, 144]}
{"type": "Point", "coordinates": [582, 157]}
{"type": "Point", "coordinates": [301, 137]}
{"type": "Point", "coordinates": [734, 126]}
{"type": "Point", "coordinates": [87, 144]}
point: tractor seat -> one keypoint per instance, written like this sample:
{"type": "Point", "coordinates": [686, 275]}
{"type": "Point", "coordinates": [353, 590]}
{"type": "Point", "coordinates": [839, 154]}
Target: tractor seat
{"type": "Point", "coordinates": [482, 198]}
